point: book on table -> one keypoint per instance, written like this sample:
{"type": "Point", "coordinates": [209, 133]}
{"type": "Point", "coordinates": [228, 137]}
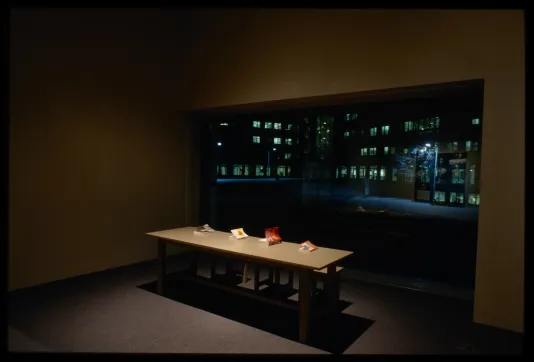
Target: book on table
{"type": "Point", "coordinates": [239, 233]}
{"type": "Point", "coordinates": [203, 230]}
{"type": "Point", "coordinates": [308, 246]}
{"type": "Point", "coordinates": [272, 237]}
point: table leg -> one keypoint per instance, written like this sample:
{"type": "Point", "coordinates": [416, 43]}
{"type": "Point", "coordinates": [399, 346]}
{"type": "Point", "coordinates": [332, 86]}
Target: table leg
{"type": "Point", "coordinates": [213, 268]}
{"type": "Point", "coordinates": [331, 289]}
{"type": "Point", "coordinates": [193, 267]}
{"type": "Point", "coordinates": [270, 279]}
{"type": "Point", "coordinates": [277, 276]}
{"type": "Point", "coordinates": [162, 256]}
{"type": "Point", "coordinates": [304, 304]}
{"type": "Point", "coordinates": [256, 277]}
{"type": "Point", "coordinates": [245, 279]}
{"type": "Point", "coordinates": [290, 279]}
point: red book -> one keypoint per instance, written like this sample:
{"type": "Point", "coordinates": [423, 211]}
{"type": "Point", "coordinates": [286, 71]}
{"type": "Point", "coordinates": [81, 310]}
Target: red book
{"type": "Point", "coordinates": [272, 236]}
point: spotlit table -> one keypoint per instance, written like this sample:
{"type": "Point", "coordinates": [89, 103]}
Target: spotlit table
{"type": "Point", "coordinates": [285, 255]}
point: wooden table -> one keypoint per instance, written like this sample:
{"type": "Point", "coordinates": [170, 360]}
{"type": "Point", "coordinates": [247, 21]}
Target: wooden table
{"type": "Point", "coordinates": [285, 255]}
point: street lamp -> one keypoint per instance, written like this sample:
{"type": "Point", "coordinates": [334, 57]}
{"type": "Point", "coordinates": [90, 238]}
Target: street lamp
{"type": "Point", "coordinates": [219, 144]}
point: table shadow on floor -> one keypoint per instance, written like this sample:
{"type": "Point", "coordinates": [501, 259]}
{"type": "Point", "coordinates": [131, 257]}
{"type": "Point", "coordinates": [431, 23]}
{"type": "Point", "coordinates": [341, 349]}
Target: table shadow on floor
{"type": "Point", "coordinates": [332, 337]}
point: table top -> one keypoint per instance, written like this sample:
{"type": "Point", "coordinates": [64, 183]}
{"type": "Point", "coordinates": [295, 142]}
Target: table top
{"type": "Point", "coordinates": [283, 253]}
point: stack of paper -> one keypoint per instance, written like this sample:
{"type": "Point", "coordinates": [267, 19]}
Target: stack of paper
{"type": "Point", "coordinates": [308, 246]}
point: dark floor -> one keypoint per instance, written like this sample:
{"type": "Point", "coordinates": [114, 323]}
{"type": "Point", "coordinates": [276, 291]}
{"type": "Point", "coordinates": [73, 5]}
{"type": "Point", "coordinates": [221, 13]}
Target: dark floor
{"type": "Point", "coordinates": [110, 311]}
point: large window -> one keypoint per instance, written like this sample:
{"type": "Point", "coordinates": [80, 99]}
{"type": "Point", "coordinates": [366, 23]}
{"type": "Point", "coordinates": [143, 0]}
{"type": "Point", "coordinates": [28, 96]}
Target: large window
{"type": "Point", "coordinates": [353, 172]}
{"type": "Point", "coordinates": [363, 152]}
{"type": "Point", "coordinates": [474, 199]}
{"type": "Point", "coordinates": [472, 175]}
{"type": "Point", "coordinates": [260, 170]}
{"type": "Point", "coordinates": [287, 156]}
{"type": "Point", "coordinates": [268, 125]}
{"type": "Point", "coordinates": [373, 173]}
{"type": "Point", "coordinates": [382, 173]}
{"type": "Point", "coordinates": [372, 151]}
{"type": "Point", "coordinates": [439, 196]}
{"type": "Point", "coordinates": [281, 171]}
{"type": "Point", "coordinates": [289, 141]}
{"type": "Point", "coordinates": [385, 130]}
{"type": "Point", "coordinates": [458, 175]}
{"type": "Point", "coordinates": [372, 131]}
{"type": "Point", "coordinates": [278, 125]}
{"type": "Point", "coordinates": [256, 124]}
{"type": "Point", "coordinates": [362, 171]}
{"type": "Point", "coordinates": [394, 175]}
{"type": "Point", "coordinates": [256, 139]}
{"type": "Point", "coordinates": [277, 141]}
{"type": "Point", "coordinates": [386, 150]}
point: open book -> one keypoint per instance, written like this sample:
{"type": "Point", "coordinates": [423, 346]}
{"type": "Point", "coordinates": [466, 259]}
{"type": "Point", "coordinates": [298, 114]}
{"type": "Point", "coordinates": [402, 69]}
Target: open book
{"type": "Point", "coordinates": [308, 246]}
{"type": "Point", "coordinates": [239, 233]}
{"type": "Point", "coordinates": [203, 230]}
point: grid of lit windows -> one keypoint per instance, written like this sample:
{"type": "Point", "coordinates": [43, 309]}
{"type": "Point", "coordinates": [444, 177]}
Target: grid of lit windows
{"type": "Point", "coordinates": [287, 156]}
{"type": "Point", "coordinates": [278, 125]}
{"type": "Point", "coordinates": [382, 173]}
{"type": "Point", "coordinates": [372, 151]}
{"type": "Point", "coordinates": [362, 171]}
{"type": "Point", "coordinates": [475, 121]}
{"type": "Point", "coordinates": [456, 198]}
{"type": "Point", "coordinates": [256, 139]}
{"type": "Point", "coordinates": [385, 130]}
{"type": "Point", "coordinates": [223, 170]}
{"type": "Point", "coordinates": [353, 172]}
{"type": "Point", "coordinates": [439, 196]}
{"type": "Point", "coordinates": [260, 171]}
{"type": "Point", "coordinates": [289, 141]}
{"type": "Point", "coordinates": [372, 131]}
{"type": "Point", "coordinates": [458, 175]}
{"type": "Point", "coordinates": [256, 124]}
{"type": "Point", "coordinates": [277, 140]}
{"type": "Point", "coordinates": [346, 134]}
{"type": "Point", "coordinates": [268, 125]}
{"type": "Point", "coordinates": [363, 152]}
{"type": "Point", "coordinates": [474, 199]}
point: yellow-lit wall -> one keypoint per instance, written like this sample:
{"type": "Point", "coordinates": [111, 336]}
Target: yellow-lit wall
{"type": "Point", "coordinates": [97, 149]}
{"type": "Point", "coordinates": [97, 154]}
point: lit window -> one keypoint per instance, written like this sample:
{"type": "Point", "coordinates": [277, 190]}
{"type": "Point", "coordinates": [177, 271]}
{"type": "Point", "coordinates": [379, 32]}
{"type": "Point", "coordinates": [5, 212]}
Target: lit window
{"type": "Point", "coordinates": [246, 170]}
{"type": "Point", "coordinates": [394, 175]}
{"type": "Point", "coordinates": [260, 171]}
{"type": "Point", "coordinates": [386, 150]}
{"type": "Point", "coordinates": [392, 150]}
{"type": "Point", "coordinates": [238, 170]}
{"type": "Point", "coordinates": [474, 199]}
{"type": "Point", "coordinates": [372, 151]}
{"type": "Point", "coordinates": [373, 173]}
{"type": "Point", "coordinates": [458, 175]}
{"type": "Point", "coordinates": [472, 175]}
{"type": "Point", "coordinates": [453, 146]}
{"type": "Point", "coordinates": [281, 171]}
{"type": "Point", "coordinates": [268, 125]}
{"type": "Point", "coordinates": [439, 196]}
{"type": "Point", "coordinates": [353, 172]}
{"type": "Point", "coordinates": [337, 172]}
{"type": "Point", "coordinates": [475, 121]}
{"type": "Point", "coordinates": [405, 151]}
{"type": "Point", "coordinates": [277, 141]}
{"type": "Point", "coordinates": [408, 176]}
{"type": "Point", "coordinates": [289, 141]}
{"type": "Point", "coordinates": [346, 134]}
{"type": "Point", "coordinates": [343, 171]}
{"type": "Point", "coordinates": [289, 126]}
{"type": "Point", "coordinates": [409, 126]}
{"type": "Point", "coordinates": [385, 130]}
{"type": "Point", "coordinates": [350, 116]}
{"type": "Point", "coordinates": [256, 139]}
{"type": "Point", "coordinates": [287, 156]}
{"type": "Point", "coordinates": [224, 124]}
{"type": "Point", "coordinates": [256, 124]}
{"type": "Point", "coordinates": [223, 170]}
{"type": "Point", "coordinates": [347, 117]}
{"type": "Point", "coordinates": [364, 151]}
{"type": "Point", "coordinates": [456, 198]}
{"type": "Point", "coordinates": [382, 173]}
{"type": "Point", "coordinates": [278, 125]}
{"type": "Point", "coordinates": [362, 171]}
{"type": "Point", "coordinates": [372, 131]}
{"type": "Point", "coordinates": [468, 145]}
